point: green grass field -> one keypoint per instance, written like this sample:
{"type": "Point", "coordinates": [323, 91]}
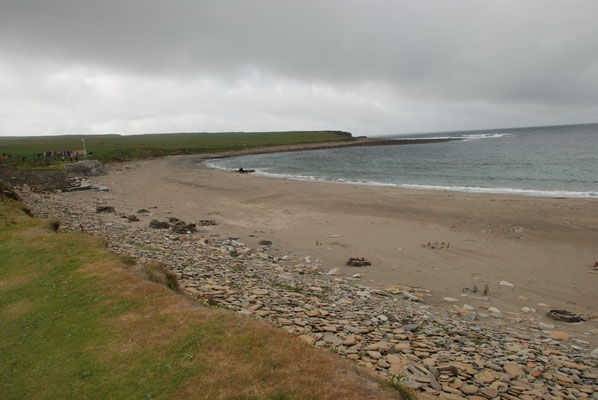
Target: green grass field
{"type": "Point", "coordinates": [117, 147]}
{"type": "Point", "coordinates": [79, 322]}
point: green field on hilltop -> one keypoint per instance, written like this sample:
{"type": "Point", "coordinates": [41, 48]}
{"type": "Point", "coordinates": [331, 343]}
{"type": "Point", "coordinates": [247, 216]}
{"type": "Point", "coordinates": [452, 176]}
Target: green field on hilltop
{"type": "Point", "coordinates": [117, 147]}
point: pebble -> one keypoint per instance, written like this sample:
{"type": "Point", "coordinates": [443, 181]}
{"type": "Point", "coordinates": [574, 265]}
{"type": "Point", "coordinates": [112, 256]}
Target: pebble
{"type": "Point", "coordinates": [513, 369]}
{"type": "Point", "coordinates": [560, 335]}
{"type": "Point", "coordinates": [528, 310]}
{"type": "Point", "coordinates": [469, 389]}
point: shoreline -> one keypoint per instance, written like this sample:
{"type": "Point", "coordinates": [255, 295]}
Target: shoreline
{"type": "Point", "coordinates": [369, 318]}
{"type": "Point", "coordinates": [557, 194]}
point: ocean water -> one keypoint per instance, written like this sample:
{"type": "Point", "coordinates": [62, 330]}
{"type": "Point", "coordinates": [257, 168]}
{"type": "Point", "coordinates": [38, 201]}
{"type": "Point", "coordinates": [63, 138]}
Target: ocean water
{"type": "Point", "coordinates": [555, 161]}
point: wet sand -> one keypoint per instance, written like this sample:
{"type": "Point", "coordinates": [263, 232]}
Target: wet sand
{"type": "Point", "coordinates": [545, 247]}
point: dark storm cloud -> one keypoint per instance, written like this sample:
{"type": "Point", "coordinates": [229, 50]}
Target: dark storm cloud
{"type": "Point", "coordinates": [397, 59]}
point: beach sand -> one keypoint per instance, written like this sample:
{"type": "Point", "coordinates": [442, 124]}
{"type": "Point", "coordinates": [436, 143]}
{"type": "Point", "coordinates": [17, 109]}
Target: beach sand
{"type": "Point", "coordinates": [544, 247]}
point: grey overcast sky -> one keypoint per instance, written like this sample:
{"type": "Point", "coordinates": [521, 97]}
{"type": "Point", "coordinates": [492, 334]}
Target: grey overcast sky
{"type": "Point", "coordinates": [370, 67]}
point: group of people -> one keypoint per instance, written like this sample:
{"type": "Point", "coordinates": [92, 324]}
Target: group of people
{"type": "Point", "coordinates": [63, 155]}
{"type": "Point", "coordinates": [5, 157]}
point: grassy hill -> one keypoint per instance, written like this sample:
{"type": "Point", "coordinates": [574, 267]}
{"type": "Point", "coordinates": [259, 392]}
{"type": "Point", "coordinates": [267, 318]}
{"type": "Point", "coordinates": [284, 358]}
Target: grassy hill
{"type": "Point", "coordinates": [117, 147]}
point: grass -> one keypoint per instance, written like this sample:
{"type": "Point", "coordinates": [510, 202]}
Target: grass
{"type": "Point", "coordinates": [284, 286]}
{"type": "Point", "coordinates": [405, 392]}
{"type": "Point", "coordinates": [117, 147]}
{"type": "Point", "coordinates": [157, 272]}
{"type": "Point", "coordinates": [79, 322]}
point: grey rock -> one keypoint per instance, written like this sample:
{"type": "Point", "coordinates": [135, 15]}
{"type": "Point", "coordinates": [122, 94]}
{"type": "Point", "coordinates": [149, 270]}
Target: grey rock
{"type": "Point", "coordinates": [412, 297]}
{"type": "Point", "coordinates": [411, 327]}
{"type": "Point", "coordinates": [411, 384]}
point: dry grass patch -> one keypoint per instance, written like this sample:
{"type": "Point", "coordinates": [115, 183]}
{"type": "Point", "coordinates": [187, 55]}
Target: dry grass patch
{"type": "Point", "coordinates": [157, 272]}
{"type": "Point", "coordinates": [15, 309]}
{"type": "Point", "coordinates": [17, 280]}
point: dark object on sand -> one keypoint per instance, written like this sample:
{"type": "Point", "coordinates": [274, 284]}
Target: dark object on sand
{"type": "Point", "coordinates": [358, 262]}
{"type": "Point", "coordinates": [142, 211]}
{"type": "Point", "coordinates": [132, 218]}
{"type": "Point", "coordinates": [486, 289]}
{"type": "Point", "coordinates": [173, 220]}
{"type": "Point", "coordinates": [437, 245]}
{"type": "Point", "coordinates": [104, 209]}
{"type": "Point", "coordinates": [265, 242]}
{"type": "Point", "coordinates": [474, 289]}
{"type": "Point", "coordinates": [564, 316]}
{"type": "Point", "coordinates": [245, 171]}
{"type": "Point", "coordinates": [182, 228]}
{"type": "Point", "coordinates": [207, 222]}
{"type": "Point", "coordinates": [154, 223]}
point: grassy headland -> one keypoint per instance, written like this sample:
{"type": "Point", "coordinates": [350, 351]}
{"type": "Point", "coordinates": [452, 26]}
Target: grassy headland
{"type": "Point", "coordinates": [81, 322]}
{"type": "Point", "coordinates": [117, 147]}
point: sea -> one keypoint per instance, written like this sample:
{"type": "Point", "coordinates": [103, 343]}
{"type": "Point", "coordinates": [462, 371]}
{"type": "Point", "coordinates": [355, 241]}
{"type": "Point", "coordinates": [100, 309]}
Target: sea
{"type": "Point", "coordinates": [549, 161]}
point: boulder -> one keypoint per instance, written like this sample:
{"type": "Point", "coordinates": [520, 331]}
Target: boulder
{"type": "Point", "coordinates": [181, 227]}
{"type": "Point", "coordinates": [154, 223]}
{"type": "Point", "coordinates": [358, 262]}
{"type": "Point", "coordinates": [564, 316]}
{"type": "Point", "coordinates": [104, 209]}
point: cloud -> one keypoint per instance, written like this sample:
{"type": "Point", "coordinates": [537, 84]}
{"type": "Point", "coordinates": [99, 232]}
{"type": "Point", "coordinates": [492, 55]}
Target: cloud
{"type": "Point", "coordinates": [375, 67]}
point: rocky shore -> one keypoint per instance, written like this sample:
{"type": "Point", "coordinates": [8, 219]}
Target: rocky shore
{"type": "Point", "coordinates": [450, 353]}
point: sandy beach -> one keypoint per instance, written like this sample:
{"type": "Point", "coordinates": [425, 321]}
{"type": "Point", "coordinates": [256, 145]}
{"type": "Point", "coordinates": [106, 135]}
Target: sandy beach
{"type": "Point", "coordinates": [544, 247]}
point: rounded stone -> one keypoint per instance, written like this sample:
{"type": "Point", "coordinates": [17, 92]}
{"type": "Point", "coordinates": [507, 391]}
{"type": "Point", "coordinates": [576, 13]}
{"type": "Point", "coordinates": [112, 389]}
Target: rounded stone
{"type": "Point", "coordinates": [560, 335]}
{"type": "Point", "coordinates": [469, 389]}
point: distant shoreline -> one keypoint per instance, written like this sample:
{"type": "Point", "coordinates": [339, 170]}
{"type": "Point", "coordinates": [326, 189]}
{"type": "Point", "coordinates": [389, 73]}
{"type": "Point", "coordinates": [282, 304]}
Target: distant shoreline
{"type": "Point", "coordinates": [358, 142]}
